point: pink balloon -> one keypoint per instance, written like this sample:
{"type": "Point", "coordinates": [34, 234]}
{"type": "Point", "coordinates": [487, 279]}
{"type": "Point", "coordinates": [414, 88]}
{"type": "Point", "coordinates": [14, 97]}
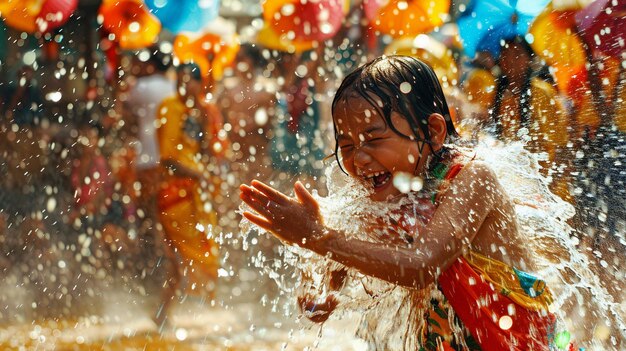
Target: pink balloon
{"type": "Point", "coordinates": [603, 26]}
{"type": "Point", "coordinates": [371, 7]}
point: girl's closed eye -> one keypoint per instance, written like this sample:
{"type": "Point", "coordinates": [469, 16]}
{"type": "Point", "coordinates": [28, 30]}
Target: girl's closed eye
{"type": "Point", "coordinates": [374, 140]}
{"type": "Point", "coordinates": [345, 147]}
{"type": "Point", "coordinates": [348, 147]}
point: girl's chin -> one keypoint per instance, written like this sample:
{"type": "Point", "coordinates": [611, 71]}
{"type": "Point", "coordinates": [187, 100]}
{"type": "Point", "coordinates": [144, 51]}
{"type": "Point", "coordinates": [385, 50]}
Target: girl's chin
{"type": "Point", "coordinates": [385, 192]}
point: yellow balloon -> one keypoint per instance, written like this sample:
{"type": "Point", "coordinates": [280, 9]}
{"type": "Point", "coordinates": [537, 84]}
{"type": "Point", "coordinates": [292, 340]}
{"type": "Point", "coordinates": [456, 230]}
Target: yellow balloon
{"type": "Point", "coordinates": [271, 40]}
{"type": "Point", "coordinates": [431, 51]}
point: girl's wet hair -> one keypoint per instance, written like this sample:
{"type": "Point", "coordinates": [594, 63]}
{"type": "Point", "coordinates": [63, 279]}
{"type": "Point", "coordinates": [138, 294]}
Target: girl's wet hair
{"type": "Point", "coordinates": [379, 82]}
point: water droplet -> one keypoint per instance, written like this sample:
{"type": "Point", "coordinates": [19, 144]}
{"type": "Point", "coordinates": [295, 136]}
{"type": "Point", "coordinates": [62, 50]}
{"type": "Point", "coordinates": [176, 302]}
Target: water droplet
{"type": "Point", "coordinates": [405, 87]}
{"type": "Point", "coordinates": [417, 183]}
{"type": "Point", "coordinates": [287, 9]}
{"type": "Point", "coordinates": [261, 117]}
{"type": "Point", "coordinates": [402, 182]}
{"type": "Point", "coordinates": [181, 334]}
{"type": "Point", "coordinates": [51, 204]}
{"type": "Point", "coordinates": [134, 27]}
{"type": "Point", "coordinates": [510, 309]}
{"type": "Point", "coordinates": [505, 322]}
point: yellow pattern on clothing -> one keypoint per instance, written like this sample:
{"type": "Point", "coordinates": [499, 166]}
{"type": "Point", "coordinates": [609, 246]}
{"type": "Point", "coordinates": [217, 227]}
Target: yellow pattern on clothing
{"type": "Point", "coordinates": [509, 282]}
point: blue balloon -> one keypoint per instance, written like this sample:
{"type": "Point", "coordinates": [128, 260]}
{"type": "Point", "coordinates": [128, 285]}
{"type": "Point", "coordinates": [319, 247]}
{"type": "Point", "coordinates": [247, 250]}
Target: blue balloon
{"type": "Point", "coordinates": [491, 21]}
{"type": "Point", "coordinates": [184, 15]}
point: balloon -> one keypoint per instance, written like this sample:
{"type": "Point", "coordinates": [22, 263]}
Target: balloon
{"type": "Point", "coordinates": [490, 21]}
{"type": "Point", "coordinates": [21, 14]}
{"type": "Point", "coordinates": [184, 15]}
{"type": "Point", "coordinates": [305, 20]}
{"type": "Point", "coordinates": [603, 26]}
{"type": "Point", "coordinates": [54, 13]}
{"type": "Point", "coordinates": [270, 39]}
{"type": "Point", "coordinates": [37, 15]}
{"type": "Point", "coordinates": [429, 50]}
{"type": "Point", "coordinates": [130, 21]}
{"type": "Point", "coordinates": [401, 18]}
{"type": "Point", "coordinates": [214, 48]}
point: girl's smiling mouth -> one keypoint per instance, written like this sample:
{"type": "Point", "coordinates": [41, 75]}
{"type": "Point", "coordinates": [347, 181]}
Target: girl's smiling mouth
{"type": "Point", "coordinates": [379, 180]}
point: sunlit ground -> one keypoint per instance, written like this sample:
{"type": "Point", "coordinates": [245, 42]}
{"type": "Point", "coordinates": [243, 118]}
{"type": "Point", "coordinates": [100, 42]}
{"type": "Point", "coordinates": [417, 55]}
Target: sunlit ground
{"type": "Point", "coordinates": [193, 327]}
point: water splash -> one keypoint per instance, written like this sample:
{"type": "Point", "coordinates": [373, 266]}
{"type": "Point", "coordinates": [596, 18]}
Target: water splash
{"type": "Point", "coordinates": [391, 315]}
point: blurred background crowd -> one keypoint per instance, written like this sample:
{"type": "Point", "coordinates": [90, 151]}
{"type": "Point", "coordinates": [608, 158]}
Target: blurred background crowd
{"type": "Point", "coordinates": [126, 126]}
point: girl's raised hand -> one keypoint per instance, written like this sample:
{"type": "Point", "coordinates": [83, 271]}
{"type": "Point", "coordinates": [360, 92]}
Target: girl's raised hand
{"type": "Point", "coordinates": [292, 219]}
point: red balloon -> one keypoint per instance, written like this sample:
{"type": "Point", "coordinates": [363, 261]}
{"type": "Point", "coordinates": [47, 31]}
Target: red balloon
{"type": "Point", "coordinates": [54, 13]}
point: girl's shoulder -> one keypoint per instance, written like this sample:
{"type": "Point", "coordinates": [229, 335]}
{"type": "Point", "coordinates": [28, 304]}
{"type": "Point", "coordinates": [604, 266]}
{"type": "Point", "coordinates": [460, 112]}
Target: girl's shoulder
{"type": "Point", "coordinates": [448, 164]}
{"type": "Point", "coordinates": [461, 169]}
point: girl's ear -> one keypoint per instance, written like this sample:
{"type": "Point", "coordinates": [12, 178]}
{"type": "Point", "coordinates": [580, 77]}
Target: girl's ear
{"type": "Point", "coordinates": [438, 131]}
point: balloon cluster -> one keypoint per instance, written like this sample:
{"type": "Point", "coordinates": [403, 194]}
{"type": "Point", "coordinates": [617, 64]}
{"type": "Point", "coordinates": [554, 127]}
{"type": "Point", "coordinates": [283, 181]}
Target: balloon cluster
{"type": "Point", "coordinates": [37, 16]}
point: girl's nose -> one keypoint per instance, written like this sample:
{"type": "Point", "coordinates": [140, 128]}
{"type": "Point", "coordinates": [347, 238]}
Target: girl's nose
{"type": "Point", "coordinates": [361, 158]}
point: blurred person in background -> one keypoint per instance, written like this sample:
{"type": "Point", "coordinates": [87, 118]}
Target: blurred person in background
{"type": "Point", "coordinates": [191, 147]}
{"type": "Point", "coordinates": [297, 147]}
{"type": "Point", "coordinates": [247, 102]}
{"type": "Point", "coordinates": [526, 105]}
{"type": "Point", "coordinates": [149, 84]}
{"type": "Point", "coordinates": [98, 214]}
{"type": "Point", "coordinates": [152, 86]}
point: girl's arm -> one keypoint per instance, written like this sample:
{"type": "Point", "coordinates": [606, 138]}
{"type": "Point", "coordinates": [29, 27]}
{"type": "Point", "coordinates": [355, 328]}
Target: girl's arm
{"type": "Point", "coordinates": [474, 193]}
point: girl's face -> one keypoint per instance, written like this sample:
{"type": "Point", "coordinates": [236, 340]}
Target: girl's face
{"type": "Point", "coordinates": [371, 151]}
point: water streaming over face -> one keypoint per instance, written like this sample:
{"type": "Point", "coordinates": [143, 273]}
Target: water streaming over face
{"type": "Point", "coordinates": [391, 315]}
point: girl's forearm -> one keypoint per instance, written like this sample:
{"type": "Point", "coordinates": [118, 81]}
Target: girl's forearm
{"type": "Point", "coordinates": [394, 263]}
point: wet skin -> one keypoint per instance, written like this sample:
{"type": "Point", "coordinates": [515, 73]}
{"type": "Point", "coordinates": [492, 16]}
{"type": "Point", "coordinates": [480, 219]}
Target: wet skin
{"type": "Point", "coordinates": [474, 211]}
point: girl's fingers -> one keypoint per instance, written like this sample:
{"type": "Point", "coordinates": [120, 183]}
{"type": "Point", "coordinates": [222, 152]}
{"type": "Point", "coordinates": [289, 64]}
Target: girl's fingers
{"type": "Point", "coordinates": [261, 207]}
{"type": "Point", "coordinates": [270, 192]}
{"type": "Point", "coordinates": [254, 193]}
{"type": "Point", "coordinates": [304, 196]}
{"type": "Point", "coordinates": [258, 220]}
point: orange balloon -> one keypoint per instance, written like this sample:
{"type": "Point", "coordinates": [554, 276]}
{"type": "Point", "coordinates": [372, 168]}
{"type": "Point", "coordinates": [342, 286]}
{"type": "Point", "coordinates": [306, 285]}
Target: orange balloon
{"type": "Point", "coordinates": [406, 18]}
{"type": "Point", "coordinates": [131, 22]}
{"type": "Point", "coordinates": [210, 51]}
{"type": "Point", "coordinates": [272, 40]}
{"type": "Point", "coordinates": [21, 14]}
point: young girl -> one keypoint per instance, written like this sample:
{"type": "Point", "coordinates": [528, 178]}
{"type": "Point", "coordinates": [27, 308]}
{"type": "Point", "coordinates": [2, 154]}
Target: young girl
{"type": "Point", "coordinates": [391, 118]}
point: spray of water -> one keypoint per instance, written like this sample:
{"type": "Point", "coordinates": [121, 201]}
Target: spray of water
{"type": "Point", "coordinates": [392, 315]}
